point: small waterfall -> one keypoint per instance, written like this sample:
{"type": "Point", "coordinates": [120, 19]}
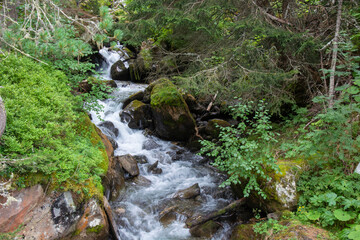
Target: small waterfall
{"type": "Point", "coordinates": [140, 205]}
{"type": "Point", "coordinates": [112, 56]}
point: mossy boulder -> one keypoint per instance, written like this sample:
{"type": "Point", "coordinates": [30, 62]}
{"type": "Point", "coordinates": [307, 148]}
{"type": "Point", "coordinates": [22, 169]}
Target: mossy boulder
{"type": "Point", "coordinates": [119, 71]}
{"type": "Point", "coordinates": [171, 115]}
{"type": "Point", "coordinates": [205, 230]}
{"type": "Point", "coordinates": [137, 115]}
{"type": "Point", "coordinates": [281, 190]}
{"type": "Point", "coordinates": [244, 232]}
{"type": "Point", "coordinates": [211, 128]}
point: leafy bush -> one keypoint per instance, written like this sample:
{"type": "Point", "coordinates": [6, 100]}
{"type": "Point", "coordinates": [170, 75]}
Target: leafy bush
{"type": "Point", "coordinates": [244, 152]}
{"type": "Point", "coordinates": [45, 133]}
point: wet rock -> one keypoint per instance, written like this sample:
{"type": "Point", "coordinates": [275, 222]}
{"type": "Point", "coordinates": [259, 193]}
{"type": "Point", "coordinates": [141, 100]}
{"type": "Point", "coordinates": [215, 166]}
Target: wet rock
{"type": "Point", "coordinates": [141, 181]}
{"type": "Point", "coordinates": [2, 117]}
{"type": "Point", "coordinates": [114, 181]}
{"type": "Point", "coordinates": [120, 211]}
{"type": "Point", "coordinates": [113, 142]}
{"type": "Point", "coordinates": [141, 159]}
{"type": "Point", "coordinates": [171, 115]}
{"type": "Point", "coordinates": [138, 69]}
{"type": "Point", "coordinates": [211, 128]}
{"type": "Point", "coordinates": [110, 127]}
{"type": "Point", "coordinates": [137, 115]}
{"type": "Point", "coordinates": [129, 164]}
{"type": "Point", "coordinates": [93, 223]}
{"type": "Point", "coordinates": [136, 96]}
{"type": "Point", "coordinates": [154, 168]}
{"type": "Point", "coordinates": [168, 215]}
{"type": "Point", "coordinates": [112, 223]}
{"type": "Point", "coordinates": [111, 83]}
{"type": "Point", "coordinates": [119, 71]}
{"type": "Point", "coordinates": [150, 144]}
{"type": "Point", "coordinates": [109, 147]}
{"type": "Point", "coordinates": [205, 230]}
{"type": "Point", "coordinates": [18, 207]}
{"type": "Point", "coordinates": [188, 193]}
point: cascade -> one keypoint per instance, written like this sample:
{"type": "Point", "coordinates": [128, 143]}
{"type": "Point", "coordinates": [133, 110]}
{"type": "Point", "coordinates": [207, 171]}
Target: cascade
{"type": "Point", "coordinates": [139, 206]}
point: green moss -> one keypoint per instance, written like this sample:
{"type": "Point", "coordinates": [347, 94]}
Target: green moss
{"type": "Point", "coordinates": [164, 92]}
{"type": "Point", "coordinates": [135, 104]}
{"type": "Point", "coordinates": [96, 229]}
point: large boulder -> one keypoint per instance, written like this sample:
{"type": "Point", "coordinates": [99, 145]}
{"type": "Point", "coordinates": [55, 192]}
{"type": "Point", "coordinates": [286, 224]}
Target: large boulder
{"type": "Point", "coordinates": [2, 117]}
{"type": "Point", "coordinates": [54, 216]}
{"type": "Point", "coordinates": [119, 71]}
{"type": "Point", "coordinates": [171, 115]}
{"type": "Point", "coordinates": [137, 115]}
{"type": "Point", "coordinates": [280, 190]}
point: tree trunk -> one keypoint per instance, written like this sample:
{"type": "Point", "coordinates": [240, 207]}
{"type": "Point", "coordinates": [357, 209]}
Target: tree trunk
{"type": "Point", "coordinates": [2, 117]}
{"type": "Point", "coordinates": [334, 56]}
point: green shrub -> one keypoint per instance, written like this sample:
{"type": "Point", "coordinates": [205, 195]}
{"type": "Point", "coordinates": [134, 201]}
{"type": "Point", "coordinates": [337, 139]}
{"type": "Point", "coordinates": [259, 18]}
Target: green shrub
{"type": "Point", "coordinates": [44, 133]}
{"type": "Point", "coordinates": [244, 152]}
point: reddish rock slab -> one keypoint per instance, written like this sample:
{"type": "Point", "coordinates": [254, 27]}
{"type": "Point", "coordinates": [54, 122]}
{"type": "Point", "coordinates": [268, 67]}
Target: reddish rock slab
{"type": "Point", "coordinates": [14, 213]}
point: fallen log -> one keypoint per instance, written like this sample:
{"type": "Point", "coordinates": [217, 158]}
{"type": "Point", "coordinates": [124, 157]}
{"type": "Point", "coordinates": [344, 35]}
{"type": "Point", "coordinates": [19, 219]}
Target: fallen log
{"type": "Point", "coordinates": [231, 208]}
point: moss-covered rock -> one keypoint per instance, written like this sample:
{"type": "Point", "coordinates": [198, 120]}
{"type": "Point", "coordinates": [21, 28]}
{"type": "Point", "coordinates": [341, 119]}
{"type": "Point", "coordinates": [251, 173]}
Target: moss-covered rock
{"type": "Point", "coordinates": [244, 232]}
{"type": "Point", "coordinates": [294, 229]}
{"type": "Point", "coordinates": [211, 128]}
{"type": "Point", "coordinates": [137, 115]}
{"type": "Point", "coordinates": [205, 230]}
{"type": "Point", "coordinates": [136, 96]}
{"type": "Point", "coordinates": [171, 115]}
{"type": "Point", "coordinates": [281, 190]}
{"type": "Point", "coordinates": [93, 223]}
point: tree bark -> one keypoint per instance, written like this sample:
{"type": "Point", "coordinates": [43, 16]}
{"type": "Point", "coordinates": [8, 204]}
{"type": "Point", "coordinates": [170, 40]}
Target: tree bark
{"type": "Point", "coordinates": [334, 56]}
{"type": "Point", "coordinates": [2, 117]}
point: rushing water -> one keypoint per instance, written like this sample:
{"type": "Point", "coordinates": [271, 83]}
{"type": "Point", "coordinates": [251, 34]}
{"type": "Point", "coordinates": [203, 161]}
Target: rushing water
{"type": "Point", "coordinates": [138, 207]}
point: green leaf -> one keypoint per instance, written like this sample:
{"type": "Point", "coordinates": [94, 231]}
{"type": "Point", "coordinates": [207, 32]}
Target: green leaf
{"type": "Point", "coordinates": [353, 90]}
{"type": "Point", "coordinates": [313, 215]}
{"type": "Point", "coordinates": [342, 215]}
{"type": "Point", "coordinates": [354, 235]}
